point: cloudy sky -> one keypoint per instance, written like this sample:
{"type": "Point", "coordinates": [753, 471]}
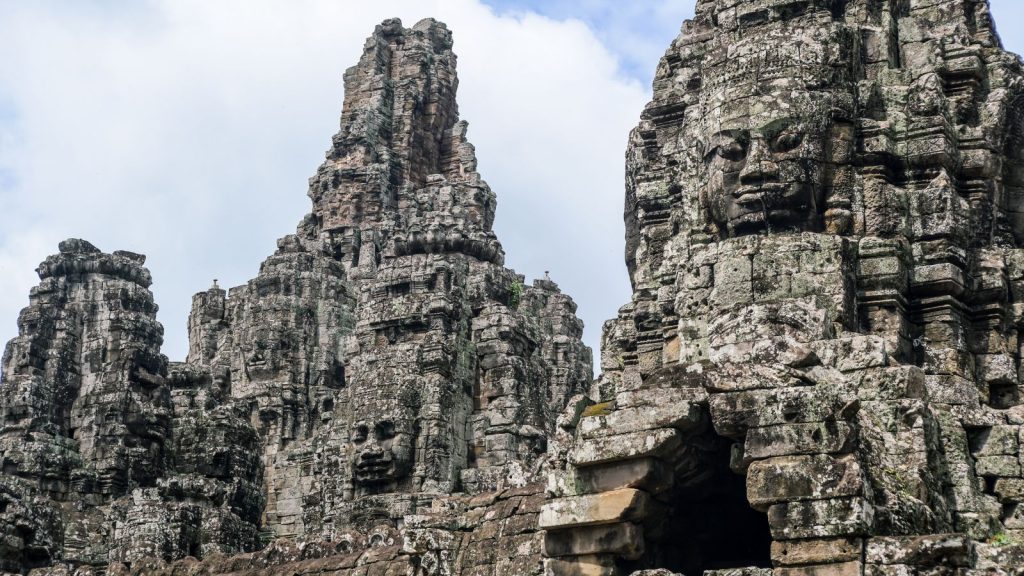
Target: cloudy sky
{"type": "Point", "coordinates": [186, 129]}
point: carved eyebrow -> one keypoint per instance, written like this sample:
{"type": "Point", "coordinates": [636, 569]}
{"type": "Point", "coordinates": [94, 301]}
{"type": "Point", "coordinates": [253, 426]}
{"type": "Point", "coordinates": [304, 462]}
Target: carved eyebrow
{"type": "Point", "coordinates": [729, 134]}
{"type": "Point", "coordinates": [779, 125]}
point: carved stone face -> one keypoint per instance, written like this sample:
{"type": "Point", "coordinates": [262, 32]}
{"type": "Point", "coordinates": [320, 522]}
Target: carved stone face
{"type": "Point", "coordinates": [766, 178]}
{"type": "Point", "coordinates": [383, 450]}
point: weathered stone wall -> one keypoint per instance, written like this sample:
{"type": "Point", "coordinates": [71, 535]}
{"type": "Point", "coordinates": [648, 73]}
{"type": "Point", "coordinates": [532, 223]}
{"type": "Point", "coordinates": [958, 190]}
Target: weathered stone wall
{"type": "Point", "coordinates": [493, 534]}
{"type": "Point", "coordinates": [823, 239]}
{"type": "Point", "coordinates": [818, 373]}
{"type": "Point", "coordinates": [377, 400]}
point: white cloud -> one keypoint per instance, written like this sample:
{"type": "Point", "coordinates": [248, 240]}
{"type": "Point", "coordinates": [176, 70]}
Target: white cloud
{"type": "Point", "coordinates": [638, 31]}
{"type": "Point", "coordinates": [186, 130]}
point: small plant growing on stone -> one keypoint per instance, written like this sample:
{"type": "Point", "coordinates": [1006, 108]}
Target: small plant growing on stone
{"type": "Point", "coordinates": [1002, 539]}
{"type": "Point", "coordinates": [602, 409]}
{"type": "Point", "coordinates": [515, 295]}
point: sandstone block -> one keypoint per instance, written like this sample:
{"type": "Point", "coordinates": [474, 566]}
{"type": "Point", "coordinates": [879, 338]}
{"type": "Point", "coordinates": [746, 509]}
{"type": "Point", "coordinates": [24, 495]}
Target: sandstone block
{"type": "Point", "coordinates": [998, 466]}
{"type": "Point", "coordinates": [683, 416]}
{"type": "Point", "coordinates": [932, 550]}
{"type": "Point", "coordinates": [996, 441]}
{"type": "Point", "coordinates": [893, 383]}
{"type": "Point", "coordinates": [1010, 489]}
{"type": "Point", "coordinates": [648, 474]}
{"type": "Point", "coordinates": [843, 569]}
{"type": "Point", "coordinates": [605, 508]}
{"type": "Point", "coordinates": [793, 478]}
{"type": "Point", "coordinates": [820, 518]}
{"type": "Point", "coordinates": [580, 566]}
{"type": "Point", "coordinates": [624, 540]}
{"type": "Point", "coordinates": [816, 551]}
{"type": "Point", "coordinates": [852, 353]}
{"type": "Point", "coordinates": [734, 413]}
{"type": "Point", "coordinates": [793, 439]}
{"type": "Point", "coordinates": [653, 443]}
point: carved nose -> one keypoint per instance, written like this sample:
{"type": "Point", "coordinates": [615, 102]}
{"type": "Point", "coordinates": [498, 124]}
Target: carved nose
{"type": "Point", "coordinates": [759, 167]}
{"type": "Point", "coordinates": [757, 172]}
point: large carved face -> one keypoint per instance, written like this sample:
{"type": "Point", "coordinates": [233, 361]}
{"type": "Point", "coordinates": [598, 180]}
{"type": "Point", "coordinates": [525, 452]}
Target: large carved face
{"type": "Point", "coordinates": [766, 176]}
{"type": "Point", "coordinates": [384, 450]}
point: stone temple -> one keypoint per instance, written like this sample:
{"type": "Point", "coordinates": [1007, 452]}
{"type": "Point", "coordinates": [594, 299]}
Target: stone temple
{"type": "Point", "coordinates": [818, 374]}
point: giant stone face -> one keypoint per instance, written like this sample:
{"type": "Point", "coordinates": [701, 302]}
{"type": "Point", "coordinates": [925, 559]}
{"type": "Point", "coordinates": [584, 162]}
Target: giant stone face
{"type": "Point", "coordinates": [383, 448]}
{"type": "Point", "coordinates": [765, 171]}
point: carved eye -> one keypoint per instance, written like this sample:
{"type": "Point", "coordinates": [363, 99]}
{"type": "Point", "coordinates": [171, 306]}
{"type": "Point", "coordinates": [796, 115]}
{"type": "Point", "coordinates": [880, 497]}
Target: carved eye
{"type": "Point", "coordinates": [385, 430]}
{"type": "Point", "coordinates": [787, 140]}
{"type": "Point", "coordinates": [359, 434]}
{"type": "Point", "coordinates": [733, 150]}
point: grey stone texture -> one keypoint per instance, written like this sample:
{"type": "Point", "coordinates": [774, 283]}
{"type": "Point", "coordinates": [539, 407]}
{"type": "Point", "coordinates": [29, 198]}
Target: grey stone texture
{"type": "Point", "coordinates": [819, 373]}
{"type": "Point", "coordinates": [378, 400]}
{"type": "Point", "coordinates": [824, 235]}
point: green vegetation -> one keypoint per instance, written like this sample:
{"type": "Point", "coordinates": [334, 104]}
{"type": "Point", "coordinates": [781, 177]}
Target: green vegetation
{"type": "Point", "coordinates": [602, 409]}
{"type": "Point", "coordinates": [515, 295]}
{"type": "Point", "coordinates": [1003, 539]}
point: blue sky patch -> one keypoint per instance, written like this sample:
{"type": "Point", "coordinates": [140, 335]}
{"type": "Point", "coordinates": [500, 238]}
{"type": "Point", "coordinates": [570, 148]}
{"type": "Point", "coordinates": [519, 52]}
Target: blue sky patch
{"type": "Point", "coordinates": [637, 32]}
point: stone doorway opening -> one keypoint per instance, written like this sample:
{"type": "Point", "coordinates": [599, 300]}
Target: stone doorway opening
{"type": "Point", "coordinates": [705, 521]}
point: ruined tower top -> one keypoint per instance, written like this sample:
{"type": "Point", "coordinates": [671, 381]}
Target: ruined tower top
{"type": "Point", "coordinates": [402, 153]}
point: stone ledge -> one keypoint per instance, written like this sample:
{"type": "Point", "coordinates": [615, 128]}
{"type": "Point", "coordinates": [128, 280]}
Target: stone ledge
{"type": "Point", "coordinates": [829, 437]}
{"type": "Point", "coordinates": [820, 518]}
{"type": "Point", "coordinates": [683, 416]}
{"type": "Point", "coordinates": [817, 551]}
{"type": "Point", "coordinates": [624, 540]}
{"type": "Point", "coordinates": [845, 569]}
{"type": "Point", "coordinates": [931, 550]}
{"type": "Point", "coordinates": [580, 566]}
{"type": "Point", "coordinates": [595, 509]}
{"type": "Point", "coordinates": [653, 443]}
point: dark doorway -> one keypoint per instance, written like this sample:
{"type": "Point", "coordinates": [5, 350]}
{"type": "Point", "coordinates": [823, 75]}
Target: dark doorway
{"type": "Point", "coordinates": [707, 524]}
